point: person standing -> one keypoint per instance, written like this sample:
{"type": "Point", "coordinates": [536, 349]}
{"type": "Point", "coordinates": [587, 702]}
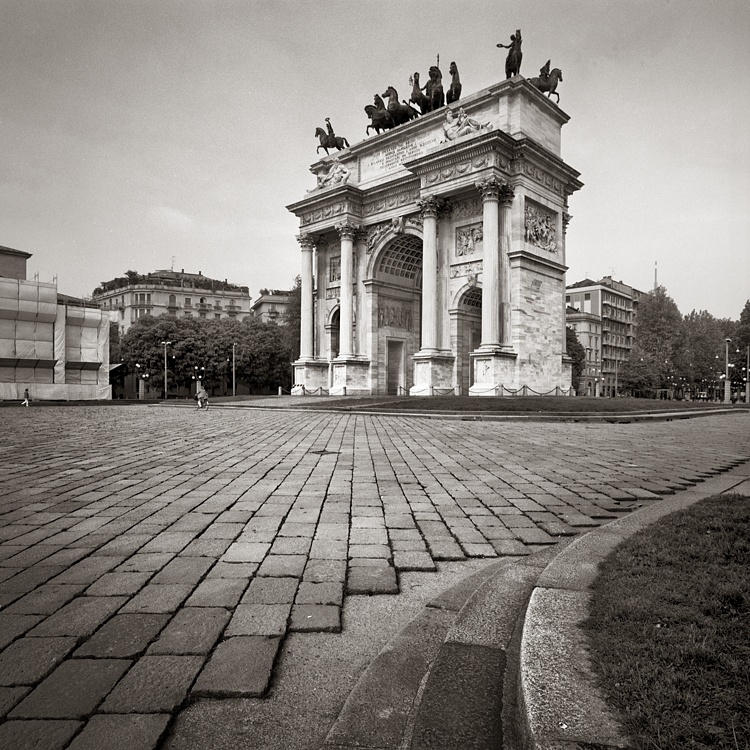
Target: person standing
{"type": "Point", "coordinates": [202, 397]}
{"type": "Point", "coordinates": [26, 397]}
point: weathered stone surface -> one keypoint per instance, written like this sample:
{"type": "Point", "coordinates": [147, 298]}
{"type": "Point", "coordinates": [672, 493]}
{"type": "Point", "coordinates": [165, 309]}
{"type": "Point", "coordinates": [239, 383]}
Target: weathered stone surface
{"type": "Point", "coordinates": [218, 592]}
{"type": "Point", "coordinates": [45, 599]}
{"type": "Point", "coordinates": [72, 691]}
{"type": "Point", "coordinates": [28, 660]}
{"type": "Point", "coordinates": [35, 735]}
{"type": "Point", "coordinates": [119, 583]}
{"type": "Point", "coordinates": [185, 570]}
{"type": "Point", "coordinates": [243, 552]}
{"type": "Point", "coordinates": [259, 619]}
{"type": "Point", "coordinates": [239, 667]}
{"type": "Point", "coordinates": [10, 696]}
{"type": "Point", "coordinates": [321, 571]}
{"type": "Point", "coordinates": [271, 591]}
{"type": "Point", "coordinates": [155, 684]}
{"type": "Point", "coordinates": [320, 593]}
{"type": "Point", "coordinates": [123, 637]}
{"type": "Point", "coordinates": [80, 617]}
{"type": "Point", "coordinates": [158, 598]}
{"type": "Point", "coordinates": [316, 618]}
{"type": "Point", "coordinates": [193, 630]}
{"type": "Point", "coordinates": [121, 732]}
{"type": "Point", "coordinates": [378, 579]}
{"type": "Point", "coordinates": [279, 566]}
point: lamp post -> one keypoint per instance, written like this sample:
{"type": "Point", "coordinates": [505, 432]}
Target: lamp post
{"type": "Point", "coordinates": [165, 344]}
{"type": "Point", "coordinates": [234, 379]}
{"type": "Point", "coordinates": [747, 376]}
{"type": "Point", "coordinates": [727, 384]}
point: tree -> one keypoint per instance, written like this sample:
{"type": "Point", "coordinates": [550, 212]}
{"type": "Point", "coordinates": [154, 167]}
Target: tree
{"type": "Point", "coordinates": [658, 343]}
{"type": "Point", "coordinates": [577, 353]}
{"type": "Point", "coordinates": [293, 318]}
{"type": "Point", "coordinates": [702, 343]}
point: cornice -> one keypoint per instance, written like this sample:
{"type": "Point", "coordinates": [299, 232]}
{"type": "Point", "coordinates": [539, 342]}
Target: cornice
{"type": "Point", "coordinates": [525, 257]}
{"type": "Point", "coordinates": [336, 194]}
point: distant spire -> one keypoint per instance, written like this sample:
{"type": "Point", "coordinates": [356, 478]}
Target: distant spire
{"type": "Point", "coordinates": [656, 282]}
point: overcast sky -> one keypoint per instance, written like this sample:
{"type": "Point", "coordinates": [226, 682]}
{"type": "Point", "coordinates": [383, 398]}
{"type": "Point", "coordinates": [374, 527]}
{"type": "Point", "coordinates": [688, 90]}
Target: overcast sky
{"type": "Point", "coordinates": [153, 134]}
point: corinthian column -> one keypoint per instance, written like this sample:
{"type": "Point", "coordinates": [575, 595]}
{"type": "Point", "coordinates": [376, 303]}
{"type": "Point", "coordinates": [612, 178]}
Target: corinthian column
{"type": "Point", "coordinates": [430, 208]}
{"type": "Point", "coordinates": [306, 297]}
{"type": "Point", "coordinates": [346, 233]}
{"type": "Point", "coordinates": [506, 202]}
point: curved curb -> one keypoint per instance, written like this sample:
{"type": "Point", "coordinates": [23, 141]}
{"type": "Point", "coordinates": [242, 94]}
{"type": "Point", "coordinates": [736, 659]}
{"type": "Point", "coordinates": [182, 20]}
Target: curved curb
{"type": "Point", "coordinates": [559, 704]}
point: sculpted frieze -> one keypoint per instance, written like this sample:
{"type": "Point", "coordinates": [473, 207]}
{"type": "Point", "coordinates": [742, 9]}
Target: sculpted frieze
{"type": "Point", "coordinates": [394, 200]}
{"type": "Point", "coordinates": [467, 209]}
{"type": "Point", "coordinates": [456, 170]}
{"type": "Point", "coordinates": [540, 227]}
{"type": "Point", "coordinates": [466, 269]}
{"type": "Point", "coordinates": [394, 316]}
{"type": "Point", "coordinates": [469, 240]}
{"type": "Point", "coordinates": [538, 175]}
{"type": "Point", "coordinates": [331, 210]}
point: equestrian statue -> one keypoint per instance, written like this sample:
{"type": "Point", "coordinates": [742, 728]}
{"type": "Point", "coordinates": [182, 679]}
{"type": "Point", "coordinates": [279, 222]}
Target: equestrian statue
{"type": "Point", "coordinates": [329, 139]}
{"type": "Point", "coordinates": [417, 97]}
{"type": "Point", "coordinates": [454, 91]}
{"type": "Point", "coordinates": [548, 80]}
{"type": "Point", "coordinates": [513, 61]}
{"type": "Point", "coordinates": [380, 117]}
{"type": "Point", "coordinates": [400, 113]}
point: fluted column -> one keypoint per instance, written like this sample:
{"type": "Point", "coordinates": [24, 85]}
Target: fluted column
{"type": "Point", "coordinates": [430, 208]}
{"type": "Point", "coordinates": [506, 202]}
{"type": "Point", "coordinates": [306, 297]}
{"type": "Point", "coordinates": [346, 234]}
{"type": "Point", "coordinates": [491, 284]}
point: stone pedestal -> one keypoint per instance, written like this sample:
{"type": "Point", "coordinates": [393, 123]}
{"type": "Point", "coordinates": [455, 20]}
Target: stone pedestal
{"type": "Point", "coordinates": [310, 376]}
{"type": "Point", "coordinates": [433, 374]}
{"type": "Point", "coordinates": [350, 376]}
{"type": "Point", "coordinates": [493, 370]}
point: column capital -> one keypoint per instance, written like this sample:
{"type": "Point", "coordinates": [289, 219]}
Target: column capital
{"type": "Point", "coordinates": [566, 217]}
{"type": "Point", "coordinates": [494, 190]}
{"type": "Point", "coordinates": [347, 230]}
{"type": "Point", "coordinates": [306, 241]}
{"type": "Point", "coordinates": [432, 206]}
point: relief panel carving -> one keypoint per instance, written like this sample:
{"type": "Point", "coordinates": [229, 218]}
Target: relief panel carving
{"type": "Point", "coordinates": [540, 226]}
{"type": "Point", "coordinates": [469, 240]}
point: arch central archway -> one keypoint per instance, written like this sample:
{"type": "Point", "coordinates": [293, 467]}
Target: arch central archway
{"type": "Point", "coordinates": [468, 335]}
{"type": "Point", "coordinates": [396, 297]}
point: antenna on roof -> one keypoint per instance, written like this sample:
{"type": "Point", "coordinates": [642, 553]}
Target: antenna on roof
{"type": "Point", "coordinates": [656, 283]}
{"type": "Point", "coordinates": [438, 60]}
{"type": "Point", "coordinates": [173, 259]}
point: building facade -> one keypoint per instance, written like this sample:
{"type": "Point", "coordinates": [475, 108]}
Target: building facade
{"type": "Point", "coordinates": [615, 306]}
{"type": "Point", "coordinates": [588, 328]}
{"type": "Point", "coordinates": [130, 297]}
{"type": "Point", "coordinates": [433, 255]}
{"type": "Point", "coordinates": [270, 306]}
{"type": "Point", "coordinates": [53, 345]}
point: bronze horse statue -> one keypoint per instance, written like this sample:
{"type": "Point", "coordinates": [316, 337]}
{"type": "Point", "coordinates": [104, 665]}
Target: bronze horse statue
{"type": "Point", "coordinates": [434, 88]}
{"type": "Point", "coordinates": [327, 141]}
{"type": "Point", "coordinates": [400, 113]}
{"type": "Point", "coordinates": [417, 97]}
{"type": "Point", "coordinates": [513, 60]}
{"type": "Point", "coordinates": [454, 91]}
{"type": "Point", "coordinates": [549, 85]}
{"type": "Point", "coordinates": [380, 117]}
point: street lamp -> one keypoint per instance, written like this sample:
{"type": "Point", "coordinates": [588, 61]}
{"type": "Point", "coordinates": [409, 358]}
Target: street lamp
{"type": "Point", "coordinates": [165, 344]}
{"type": "Point", "coordinates": [234, 379]}
{"type": "Point", "coordinates": [727, 384]}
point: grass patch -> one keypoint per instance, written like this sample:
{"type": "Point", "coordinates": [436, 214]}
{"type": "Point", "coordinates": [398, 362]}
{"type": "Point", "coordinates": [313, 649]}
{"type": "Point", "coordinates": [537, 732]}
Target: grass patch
{"type": "Point", "coordinates": [565, 405]}
{"type": "Point", "coordinates": [670, 629]}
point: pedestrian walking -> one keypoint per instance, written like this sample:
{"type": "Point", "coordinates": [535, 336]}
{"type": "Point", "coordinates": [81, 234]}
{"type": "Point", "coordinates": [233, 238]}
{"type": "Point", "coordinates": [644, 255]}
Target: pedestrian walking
{"type": "Point", "coordinates": [26, 397]}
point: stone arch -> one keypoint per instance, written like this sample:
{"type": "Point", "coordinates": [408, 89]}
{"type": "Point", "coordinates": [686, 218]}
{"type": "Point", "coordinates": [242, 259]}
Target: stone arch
{"type": "Point", "coordinates": [467, 331]}
{"type": "Point", "coordinates": [399, 262]}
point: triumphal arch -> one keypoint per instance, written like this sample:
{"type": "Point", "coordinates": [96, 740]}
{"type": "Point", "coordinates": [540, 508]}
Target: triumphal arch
{"type": "Point", "coordinates": [433, 254]}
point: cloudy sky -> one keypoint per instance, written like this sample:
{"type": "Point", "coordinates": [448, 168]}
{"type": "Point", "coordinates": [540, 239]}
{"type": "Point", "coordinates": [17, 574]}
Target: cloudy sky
{"type": "Point", "coordinates": [149, 134]}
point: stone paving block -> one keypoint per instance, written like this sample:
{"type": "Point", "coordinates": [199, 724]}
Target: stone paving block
{"type": "Point", "coordinates": [368, 536]}
{"type": "Point", "coordinates": [123, 637]}
{"type": "Point", "coordinates": [155, 684]}
{"type": "Point", "coordinates": [283, 566]}
{"type": "Point", "coordinates": [187, 570]}
{"type": "Point", "coordinates": [239, 668]}
{"type": "Point", "coordinates": [232, 570]}
{"type": "Point", "coordinates": [169, 541]}
{"type": "Point", "coordinates": [220, 530]}
{"type": "Point", "coordinates": [45, 600]}
{"type": "Point", "coordinates": [333, 531]}
{"type": "Point", "coordinates": [37, 735]}
{"type": "Point", "coordinates": [320, 571]}
{"type": "Point", "coordinates": [534, 536]}
{"type": "Point", "coordinates": [124, 545]}
{"type": "Point", "coordinates": [376, 579]}
{"type": "Point", "coordinates": [218, 592]}
{"type": "Point", "coordinates": [246, 552]}
{"type": "Point", "coordinates": [259, 619]}
{"type": "Point", "coordinates": [122, 732]}
{"type": "Point", "coordinates": [89, 569]}
{"type": "Point", "coordinates": [329, 549]}
{"type": "Point", "coordinates": [12, 626]}
{"type": "Point", "coordinates": [509, 547]}
{"type": "Point", "coordinates": [146, 562]}
{"type": "Point", "coordinates": [291, 545]}
{"type": "Point", "coordinates": [193, 630]}
{"type": "Point", "coordinates": [413, 560]}
{"type": "Point", "coordinates": [444, 549]}
{"type": "Point", "coordinates": [271, 591]}
{"type": "Point", "coordinates": [80, 617]}
{"type": "Point", "coordinates": [158, 598]}
{"type": "Point", "coordinates": [9, 697]}
{"type": "Point", "coordinates": [72, 691]}
{"type": "Point", "coordinates": [29, 660]}
{"type": "Point", "coordinates": [315, 618]}
{"type": "Point", "coordinates": [119, 583]}
{"type": "Point", "coordinates": [382, 551]}
{"type": "Point", "coordinates": [213, 548]}
{"type": "Point", "coordinates": [320, 593]}
{"type": "Point", "coordinates": [27, 580]}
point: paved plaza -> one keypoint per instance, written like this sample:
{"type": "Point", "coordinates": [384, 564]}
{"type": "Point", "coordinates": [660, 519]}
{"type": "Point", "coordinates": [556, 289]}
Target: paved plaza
{"type": "Point", "coordinates": [152, 557]}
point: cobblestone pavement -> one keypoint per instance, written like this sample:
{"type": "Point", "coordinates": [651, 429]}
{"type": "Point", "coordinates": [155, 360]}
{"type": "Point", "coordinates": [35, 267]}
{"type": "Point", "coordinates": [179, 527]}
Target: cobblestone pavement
{"type": "Point", "coordinates": [153, 555]}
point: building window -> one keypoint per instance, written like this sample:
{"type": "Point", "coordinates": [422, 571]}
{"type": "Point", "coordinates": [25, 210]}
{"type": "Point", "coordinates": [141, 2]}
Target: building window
{"type": "Point", "coordinates": [188, 302]}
